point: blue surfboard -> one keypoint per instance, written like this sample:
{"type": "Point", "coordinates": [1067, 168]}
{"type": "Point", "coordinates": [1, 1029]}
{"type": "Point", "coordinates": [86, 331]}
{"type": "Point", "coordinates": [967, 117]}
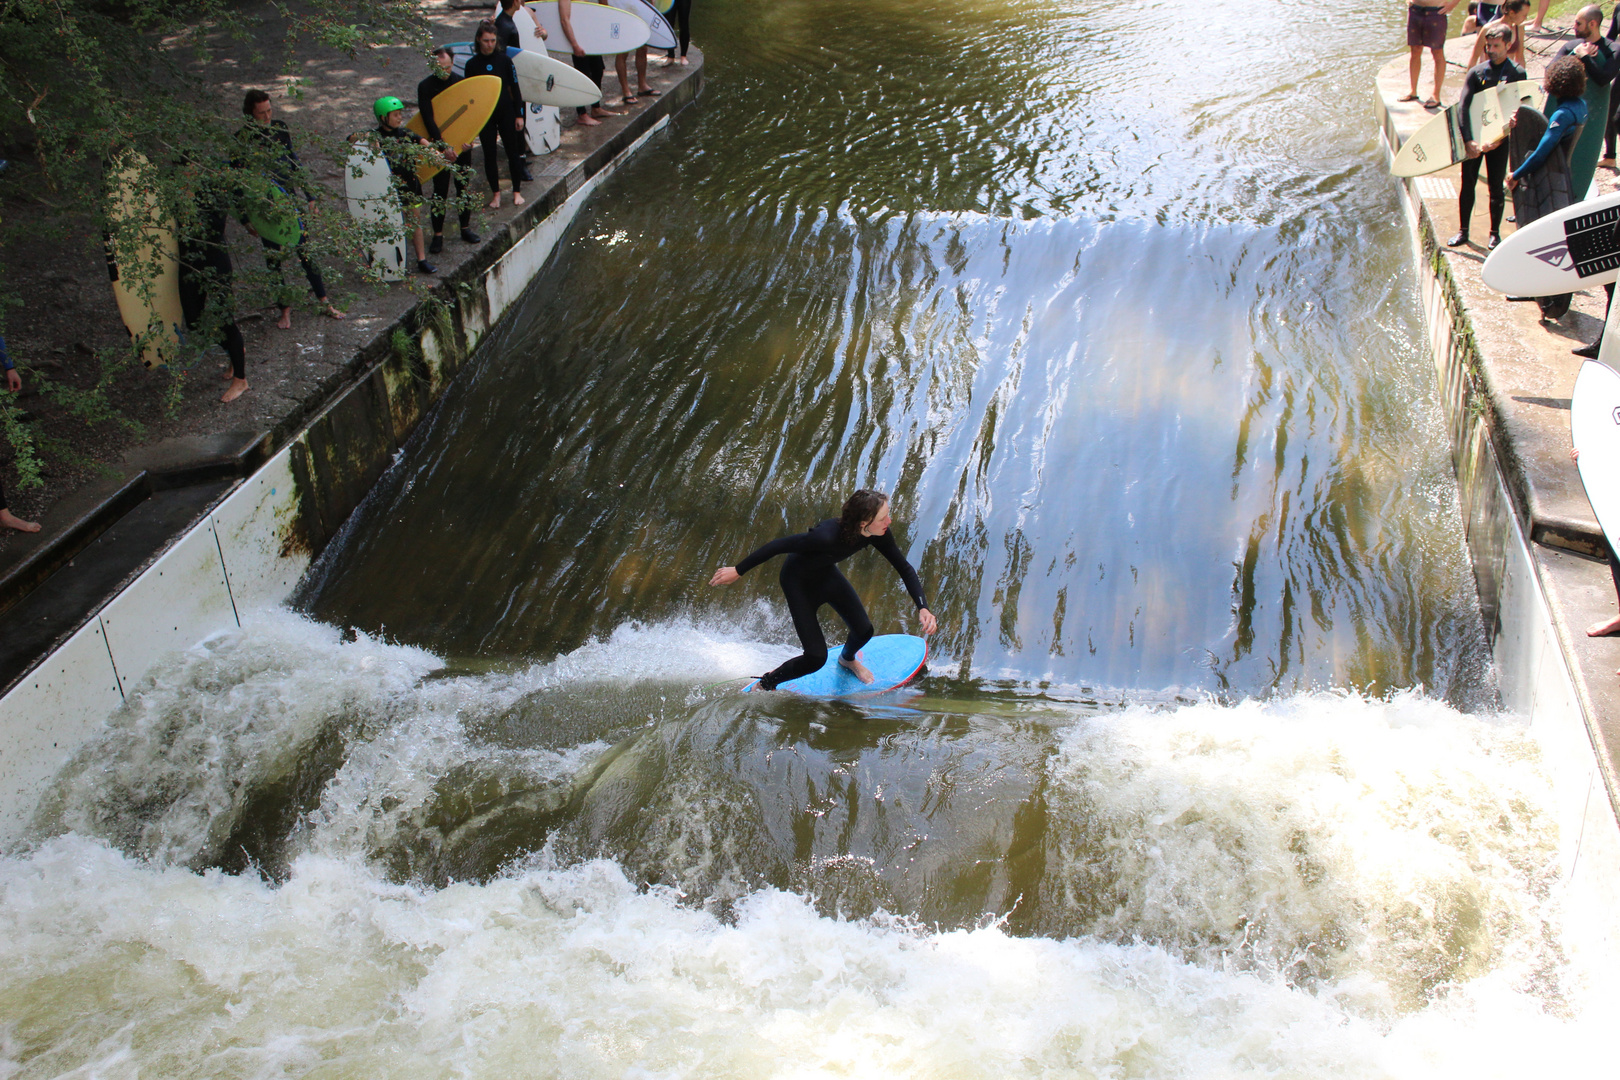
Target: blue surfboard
{"type": "Point", "coordinates": [895, 659]}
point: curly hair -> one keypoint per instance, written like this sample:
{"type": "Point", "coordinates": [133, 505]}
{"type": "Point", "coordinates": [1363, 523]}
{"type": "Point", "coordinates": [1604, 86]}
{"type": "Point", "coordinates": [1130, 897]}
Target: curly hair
{"type": "Point", "coordinates": [859, 509]}
{"type": "Point", "coordinates": [1566, 78]}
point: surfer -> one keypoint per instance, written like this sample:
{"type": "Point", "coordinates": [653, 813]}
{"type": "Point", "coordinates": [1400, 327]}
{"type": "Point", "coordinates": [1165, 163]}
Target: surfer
{"type": "Point", "coordinates": [1564, 82]}
{"type": "Point", "coordinates": [681, 11]}
{"type": "Point", "coordinates": [274, 141]}
{"type": "Point", "coordinates": [1426, 29]}
{"type": "Point", "coordinates": [506, 125]}
{"type": "Point", "coordinates": [1497, 68]}
{"type": "Point", "coordinates": [810, 579]}
{"type": "Point", "coordinates": [1604, 627]}
{"type": "Point", "coordinates": [206, 289]}
{"type": "Point", "coordinates": [1513, 15]}
{"type": "Point", "coordinates": [394, 136]}
{"type": "Point", "coordinates": [589, 66]}
{"type": "Point", "coordinates": [442, 79]}
{"type": "Point", "coordinates": [1598, 57]}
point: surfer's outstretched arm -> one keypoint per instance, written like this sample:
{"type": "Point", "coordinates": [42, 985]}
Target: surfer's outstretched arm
{"type": "Point", "coordinates": [787, 545]}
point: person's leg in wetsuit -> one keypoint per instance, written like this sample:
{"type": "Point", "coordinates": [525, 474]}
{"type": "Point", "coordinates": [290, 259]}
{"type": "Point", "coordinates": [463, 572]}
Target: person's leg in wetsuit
{"type": "Point", "coordinates": [806, 593]}
{"type": "Point", "coordinates": [441, 198]}
{"type": "Point", "coordinates": [502, 127]}
{"type": "Point", "coordinates": [1495, 163]}
{"type": "Point", "coordinates": [274, 256]}
{"type": "Point", "coordinates": [682, 10]}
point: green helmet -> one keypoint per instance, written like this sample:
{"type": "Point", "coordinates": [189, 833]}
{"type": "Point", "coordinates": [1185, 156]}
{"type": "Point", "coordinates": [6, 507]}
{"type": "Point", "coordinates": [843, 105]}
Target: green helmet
{"type": "Point", "coordinates": [386, 105]}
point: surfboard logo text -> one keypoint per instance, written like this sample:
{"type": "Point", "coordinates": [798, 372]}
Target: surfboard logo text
{"type": "Point", "coordinates": [1554, 255]}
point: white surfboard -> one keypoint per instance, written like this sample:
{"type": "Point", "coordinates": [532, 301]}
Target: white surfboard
{"type": "Point", "coordinates": [372, 202]}
{"type": "Point", "coordinates": [1594, 428]}
{"type": "Point", "coordinates": [542, 128]}
{"type": "Point", "coordinates": [599, 29]}
{"type": "Point", "coordinates": [1566, 251]}
{"type": "Point", "coordinates": [659, 33]}
{"type": "Point", "coordinates": [1438, 144]}
{"type": "Point", "coordinates": [545, 80]}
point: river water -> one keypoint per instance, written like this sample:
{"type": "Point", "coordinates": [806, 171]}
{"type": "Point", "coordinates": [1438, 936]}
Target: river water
{"type": "Point", "coordinates": [1207, 777]}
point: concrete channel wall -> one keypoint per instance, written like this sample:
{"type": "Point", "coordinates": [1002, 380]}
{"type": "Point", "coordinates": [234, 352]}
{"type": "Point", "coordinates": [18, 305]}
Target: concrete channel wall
{"type": "Point", "coordinates": [250, 550]}
{"type": "Point", "coordinates": [1535, 676]}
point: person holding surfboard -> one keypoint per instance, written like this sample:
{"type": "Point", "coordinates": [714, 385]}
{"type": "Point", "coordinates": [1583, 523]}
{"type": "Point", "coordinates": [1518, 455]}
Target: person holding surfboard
{"type": "Point", "coordinates": [1565, 83]}
{"type": "Point", "coordinates": [1498, 68]}
{"type": "Point", "coordinates": [273, 140]}
{"type": "Point", "coordinates": [442, 79]}
{"type": "Point", "coordinates": [506, 125]}
{"type": "Point", "coordinates": [810, 579]}
{"type": "Point", "coordinates": [589, 66]}
{"type": "Point", "coordinates": [391, 134]}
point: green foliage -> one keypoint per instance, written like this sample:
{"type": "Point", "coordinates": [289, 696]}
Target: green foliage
{"type": "Point", "coordinates": [93, 88]}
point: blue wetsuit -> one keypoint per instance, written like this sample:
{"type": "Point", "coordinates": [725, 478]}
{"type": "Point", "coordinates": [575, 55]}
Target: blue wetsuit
{"type": "Point", "coordinates": [1566, 117]}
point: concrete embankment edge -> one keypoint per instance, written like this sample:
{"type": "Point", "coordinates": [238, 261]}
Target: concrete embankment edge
{"type": "Point", "coordinates": [251, 549]}
{"type": "Point", "coordinates": [1536, 677]}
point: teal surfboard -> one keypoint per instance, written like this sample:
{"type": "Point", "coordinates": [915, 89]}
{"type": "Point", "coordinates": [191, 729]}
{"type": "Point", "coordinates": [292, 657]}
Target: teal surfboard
{"type": "Point", "coordinates": [895, 659]}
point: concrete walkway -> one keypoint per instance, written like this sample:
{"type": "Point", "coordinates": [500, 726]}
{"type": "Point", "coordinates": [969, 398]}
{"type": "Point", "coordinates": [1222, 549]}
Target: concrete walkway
{"type": "Point", "coordinates": [1525, 372]}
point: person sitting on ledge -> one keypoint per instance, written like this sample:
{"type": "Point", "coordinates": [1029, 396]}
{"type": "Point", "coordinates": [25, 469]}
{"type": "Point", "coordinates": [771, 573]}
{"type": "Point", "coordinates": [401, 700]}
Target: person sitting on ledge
{"type": "Point", "coordinates": [1497, 68]}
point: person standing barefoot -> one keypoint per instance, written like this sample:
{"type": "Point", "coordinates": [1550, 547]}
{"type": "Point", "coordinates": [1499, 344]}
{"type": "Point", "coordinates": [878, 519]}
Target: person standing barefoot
{"type": "Point", "coordinates": [810, 579]}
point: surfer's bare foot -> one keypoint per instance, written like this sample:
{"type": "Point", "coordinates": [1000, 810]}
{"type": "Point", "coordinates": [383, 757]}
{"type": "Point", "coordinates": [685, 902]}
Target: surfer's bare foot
{"type": "Point", "coordinates": [588, 120]}
{"type": "Point", "coordinates": [858, 669]}
{"type": "Point", "coordinates": [333, 313]}
{"type": "Point", "coordinates": [517, 200]}
{"type": "Point", "coordinates": [237, 388]}
{"type": "Point", "coordinates": [600, 112]}
{"type": "Point", "coordinates": [1606, 162]}
{"type": "Point", "coordinates": [495, 203]}
{"type": "Point", "coordinates": [1604, 628]}
{"type": "Point", "coordinates": [12, 521]}
{"type": "Point", "coordinates": [285, 322]}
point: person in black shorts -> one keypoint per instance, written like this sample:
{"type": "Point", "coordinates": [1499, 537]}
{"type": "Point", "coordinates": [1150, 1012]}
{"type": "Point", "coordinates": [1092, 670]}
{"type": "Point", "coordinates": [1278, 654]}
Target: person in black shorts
{"type": "Point", "coordinates": [1426, 29]}
{"type": "Point", "coordinates": [591, 67]}
{"type": "Point", "coordinates": [810, 579]}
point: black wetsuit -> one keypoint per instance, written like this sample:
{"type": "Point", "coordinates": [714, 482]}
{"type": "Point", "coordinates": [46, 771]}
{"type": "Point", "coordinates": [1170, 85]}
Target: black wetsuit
{"type": "Point", "coordinates": [276, 143]}
{"type": "Point", "coordinates": [506, 31]}
{"type": "Point", "coordinates": [392, 142]}
{"type": "Point", "coordinates": [205, 279]}
{"type": "Point", "coordinates": [503, 124]}
{"type": "Point", "coordinates": [426, 91]}
{"type": "Point", "coordinates": [681, 11]}
{"type": "Point", "coordinates": [810, 578]}
{"type": "Point", "coordinates": [1483, 76]}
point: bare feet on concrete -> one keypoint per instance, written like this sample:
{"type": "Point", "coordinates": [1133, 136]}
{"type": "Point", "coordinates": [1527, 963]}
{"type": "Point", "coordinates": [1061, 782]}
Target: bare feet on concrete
{"type": "Point", "coordinates": [237, 388]}
{"type": "Point", "coordinates": [285, 322]}
{"type": "Point", "coordinates": [1606, 628]}
{"type": "Point", "coordinates": [8, 520]}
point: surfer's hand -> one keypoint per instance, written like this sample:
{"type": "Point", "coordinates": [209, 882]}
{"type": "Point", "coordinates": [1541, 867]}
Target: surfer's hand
{"type": "Point", "coordinates": [14, 383]}
{"type": "Point", "coordinates": [1574, 454]}
{"type": "Point", "coordinates": [1471, 148]}
{"type": "Point", "coordinates": [929, 623]}
{"type": "Point", "coordinates": [1511, 183]}
{"type": "Point", "coordinates": [519, 123]}
{"type": "Point", "coordinates": [725, 576]}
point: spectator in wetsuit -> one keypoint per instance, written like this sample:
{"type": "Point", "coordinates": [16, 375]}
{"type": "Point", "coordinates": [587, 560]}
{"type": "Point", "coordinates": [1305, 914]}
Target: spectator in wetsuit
{"type": "Point", "coordinates": [810, 579]}
{"type": "Point", "coordinates": [506, 23]}
{"type": "Point", "coordinates": [1565, 83]}
{"type": "Point", "coordinates": [506, 124]}
{"type": "Point", "coordinates": [1496, 69]}
{"type": "Point", "coordinates": [271, 139]}
{"type": "Point", "coordinates": [205, 280]}
{"type": "Point", "coordinates": [591, 67]}
{"type": "Point", "coordinates": [1599, 59]}
{"type": "Point", "coordinates": [442, 79]}
{"type": "Point", "coordinates": [394, 138]}
{"type": "Point", "coordinates": [1612, 128]}
{"type": "Point", "coordinates": [8, 520]}
{"type": "Point", "coordinates": [681, 11]}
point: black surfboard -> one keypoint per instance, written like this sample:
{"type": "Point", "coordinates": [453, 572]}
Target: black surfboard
{"type": "Point", "coordinates": [1549, 188]}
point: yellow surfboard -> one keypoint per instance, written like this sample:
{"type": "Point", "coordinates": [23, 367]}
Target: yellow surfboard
{"type": "Point", "coordinates": [143, 260]}
{"type": "Point", "coordinates": [462, 111]}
